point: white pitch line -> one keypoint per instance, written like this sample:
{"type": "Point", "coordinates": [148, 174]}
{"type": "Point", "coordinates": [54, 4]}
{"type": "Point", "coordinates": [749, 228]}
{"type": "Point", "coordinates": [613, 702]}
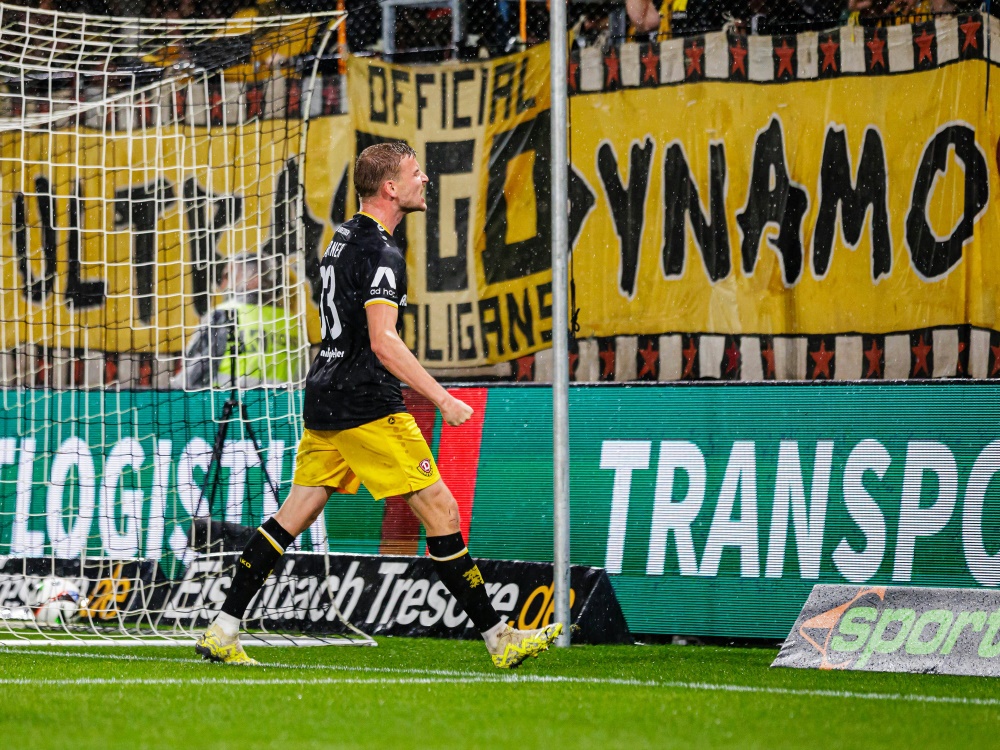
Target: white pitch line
{"type": "Point", "coordinates": [269, 665]}
{"type": "Point", "coordinates": [501, 679]}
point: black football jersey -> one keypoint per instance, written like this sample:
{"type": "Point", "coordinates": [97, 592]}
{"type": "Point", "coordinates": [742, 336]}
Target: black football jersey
{"type": "Point", "coordinates": [347, 385]}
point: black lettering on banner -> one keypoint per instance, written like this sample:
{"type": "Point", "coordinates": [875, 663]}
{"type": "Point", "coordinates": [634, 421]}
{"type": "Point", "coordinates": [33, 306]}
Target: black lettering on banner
{"type": "Point", "coordinates": [422, 79]}
{"type": "Point", "coordinates": [377, 114]}
{"type": "Point", "coordinates": [628, 206]}
{"type": "Point", "coordinates": [523, 105]}
{"type": "Point", "coordinates": [362, 141]}
{"type": "Point", "coordinates": [503, 89]}
{"type": "Point", "coordinates": [785, 205]}
{"type": "Point", "coordinates": [503, 262]}
{"type": "Point", "coordinates": [203, 239]}
{"type": "Point", "coordinates": [933, 257]}
{"type": "Point", "coordinates": [465, 352]}
{"type": "Point", "coordinates": [444, 102]}
{"type": "Point", "coordinates": [80, 294]}
{"type": "Point", "coordinates": [681, 200]}
{"type": "Point", "coordinates": [544, 292]}
{"type": "Point", "coordinates": [30, 287]}
{"type": "Point", "coordinates": [520, 319]}
{"type": "Point", "coordinates": [458, 77]}
{"type": "Point", "coordinates": [398, 77]}
{"type": "Point", "coordinates": [448, 274]}
{"type": "Point", "coordinates": [139, 208]}
{"type": "Point", "coordinates": [289, 203]}
{"type": "Point", "coordinates": [491, 327]}
{"type": "Point", "coordinates": [409, 321]}
{"type": "Point", "coordinates": [430, 354]}
{"type": "Point", "coordinates": [338, 208]}
{"type": "Point", "coordinates": [451, 335]}
{"type": "Point", "coordinates": [582, 200]}
{"type": "Point", "coordinates": [484, 82]}
{"type": "Point", "coordinates": [837, 190]}
{"type": "Point", "coordinates": [36, 289]}
{"type": "Point", "coordinates": [47, 218]}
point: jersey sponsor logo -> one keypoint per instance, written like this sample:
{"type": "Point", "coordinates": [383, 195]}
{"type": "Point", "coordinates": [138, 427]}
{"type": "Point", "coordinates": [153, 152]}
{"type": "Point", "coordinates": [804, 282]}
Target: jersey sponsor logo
{"type": "Point", "coordinates": [343, 232]}
{"type": "Point", "coordinates": [425, 467]}
{"type": "Point", "coordinates": [384, 272]}
{"type": "Point", "coordinates": [402, 302]}
{"type": "Point", "coordinates": [332, 353]}
{"type": "Point", "coordinates": [379, 292]}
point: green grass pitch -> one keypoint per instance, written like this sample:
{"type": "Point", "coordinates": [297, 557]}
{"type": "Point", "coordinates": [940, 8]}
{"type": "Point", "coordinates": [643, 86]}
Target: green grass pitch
{"type": "Point", "coordinates": [436, 695]}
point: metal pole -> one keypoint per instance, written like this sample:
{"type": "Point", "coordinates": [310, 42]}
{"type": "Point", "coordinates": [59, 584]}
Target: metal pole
{"type": "Point", "coordinates": [560, 321]}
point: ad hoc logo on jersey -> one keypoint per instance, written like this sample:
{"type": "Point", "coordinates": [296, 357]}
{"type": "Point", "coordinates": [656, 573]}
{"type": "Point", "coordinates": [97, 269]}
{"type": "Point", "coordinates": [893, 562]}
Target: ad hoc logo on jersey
{"type": "Point", "coordinates": [384, 272]}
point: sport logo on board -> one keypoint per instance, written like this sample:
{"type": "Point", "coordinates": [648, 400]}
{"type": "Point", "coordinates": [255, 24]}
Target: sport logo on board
{"type": "Point", "coordinates": [896, 629]}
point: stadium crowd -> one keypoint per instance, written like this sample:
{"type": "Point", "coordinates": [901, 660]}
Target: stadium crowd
{"type": "Point", "coordinates": [496, 27]}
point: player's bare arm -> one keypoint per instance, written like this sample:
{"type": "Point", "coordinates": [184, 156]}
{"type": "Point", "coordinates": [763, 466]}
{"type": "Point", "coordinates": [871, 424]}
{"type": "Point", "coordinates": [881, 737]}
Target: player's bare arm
{"type": "Point", "coordinates": [399, 360]}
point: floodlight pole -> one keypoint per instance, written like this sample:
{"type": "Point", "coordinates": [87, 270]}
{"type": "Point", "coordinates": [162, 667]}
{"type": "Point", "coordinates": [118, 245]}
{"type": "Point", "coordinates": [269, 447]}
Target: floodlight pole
{"type": "Point", "coordinates": [560, 321]}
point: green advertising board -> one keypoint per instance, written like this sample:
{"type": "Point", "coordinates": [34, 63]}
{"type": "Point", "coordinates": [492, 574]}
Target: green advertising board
{"type": "Point", "coordinates": [715, 508]}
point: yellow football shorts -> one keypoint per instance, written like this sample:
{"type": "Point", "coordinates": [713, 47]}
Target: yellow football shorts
{"type": "Point", "coordinates": [389, 455]}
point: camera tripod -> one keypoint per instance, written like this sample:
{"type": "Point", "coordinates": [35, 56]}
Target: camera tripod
{"type": "Point", "coordinates": [228, 536]}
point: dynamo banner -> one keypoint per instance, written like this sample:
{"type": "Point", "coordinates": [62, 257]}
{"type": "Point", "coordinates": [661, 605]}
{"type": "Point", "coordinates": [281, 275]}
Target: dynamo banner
{"type": "Point", "coordinates": [854, 204]}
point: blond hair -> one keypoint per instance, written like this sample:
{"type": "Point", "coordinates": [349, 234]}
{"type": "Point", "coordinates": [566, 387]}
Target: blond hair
{"type": "Point", "coordinates": [377, 164]}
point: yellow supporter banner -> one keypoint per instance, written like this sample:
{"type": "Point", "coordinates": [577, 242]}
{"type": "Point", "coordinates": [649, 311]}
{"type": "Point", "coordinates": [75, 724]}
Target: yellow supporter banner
{"type": "Point", "coordinates": [478, 260]}
{"type": "Point", "coordinates": [854, 204]}
{"type": "Point", "coordinates": [108, 243]}
{"type": "Point", "coordinates": [858, 204]}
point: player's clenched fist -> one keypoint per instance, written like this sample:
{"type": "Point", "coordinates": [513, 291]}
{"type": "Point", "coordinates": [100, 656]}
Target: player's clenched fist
{"type": "Point", "coordinates": [455, 411]}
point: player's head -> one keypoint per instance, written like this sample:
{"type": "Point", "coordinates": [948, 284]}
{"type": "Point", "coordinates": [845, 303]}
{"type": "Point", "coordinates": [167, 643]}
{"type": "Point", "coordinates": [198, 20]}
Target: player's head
{"type": "Point", "coordinates": [390, 171]}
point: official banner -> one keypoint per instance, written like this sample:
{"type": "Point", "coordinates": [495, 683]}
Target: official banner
{"type": "Point", "coordinates": [479, 259]}
{"type": "Point", "coordinates": [735, 197]}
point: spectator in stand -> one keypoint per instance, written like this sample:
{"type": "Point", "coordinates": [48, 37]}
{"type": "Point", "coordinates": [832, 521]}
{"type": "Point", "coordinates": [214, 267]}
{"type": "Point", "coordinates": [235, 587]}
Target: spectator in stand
{"type": "Point", "coordinates": [644, 15]}
{"type": "Point", "coordinates": [491, 29]}
{"type": "Point", "coordinates": [251, 329]}
{"type": "Point", "coordinates": [180, 9]}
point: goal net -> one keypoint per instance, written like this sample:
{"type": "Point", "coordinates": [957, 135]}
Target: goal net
{"type": "Point", "coordinates": [157, 278]}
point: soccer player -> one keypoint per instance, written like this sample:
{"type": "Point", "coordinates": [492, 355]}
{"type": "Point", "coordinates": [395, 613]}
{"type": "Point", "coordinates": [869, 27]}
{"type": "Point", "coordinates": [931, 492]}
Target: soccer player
{"type": "Point", "coordinates": [356, 426]}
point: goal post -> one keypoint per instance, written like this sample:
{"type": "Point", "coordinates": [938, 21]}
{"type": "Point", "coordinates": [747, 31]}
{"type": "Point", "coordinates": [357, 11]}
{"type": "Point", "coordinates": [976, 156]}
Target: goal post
{"type": "Point", "coordinates": [156, 271]}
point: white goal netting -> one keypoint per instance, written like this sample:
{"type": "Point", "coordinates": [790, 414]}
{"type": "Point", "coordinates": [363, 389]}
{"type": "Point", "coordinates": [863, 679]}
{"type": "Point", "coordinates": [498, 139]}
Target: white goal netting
{"type": "Point", "coordinates": [157, 266]}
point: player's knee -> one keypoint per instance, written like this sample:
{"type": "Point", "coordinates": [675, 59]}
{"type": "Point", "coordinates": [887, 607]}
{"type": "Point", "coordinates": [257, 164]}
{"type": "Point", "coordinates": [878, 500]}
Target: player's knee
{"type": "Point", "coordinates": [440, 497]}
{"type": "Point", "coordinates": [436, 506]}
{"type": "Point", "coordinates": [301, 509]}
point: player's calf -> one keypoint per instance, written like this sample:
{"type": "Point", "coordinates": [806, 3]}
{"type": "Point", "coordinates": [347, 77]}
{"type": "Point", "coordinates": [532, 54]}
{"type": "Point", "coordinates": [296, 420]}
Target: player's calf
{"type": "Point", "coordinates": [458, 571]}
{"type": "Point", "coordinates": [221, 641]}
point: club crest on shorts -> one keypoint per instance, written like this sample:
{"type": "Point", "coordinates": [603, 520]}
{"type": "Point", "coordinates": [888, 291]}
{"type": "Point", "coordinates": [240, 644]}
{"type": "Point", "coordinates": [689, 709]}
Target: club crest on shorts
{"type": "Point", "coordinates": [425, 467]}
